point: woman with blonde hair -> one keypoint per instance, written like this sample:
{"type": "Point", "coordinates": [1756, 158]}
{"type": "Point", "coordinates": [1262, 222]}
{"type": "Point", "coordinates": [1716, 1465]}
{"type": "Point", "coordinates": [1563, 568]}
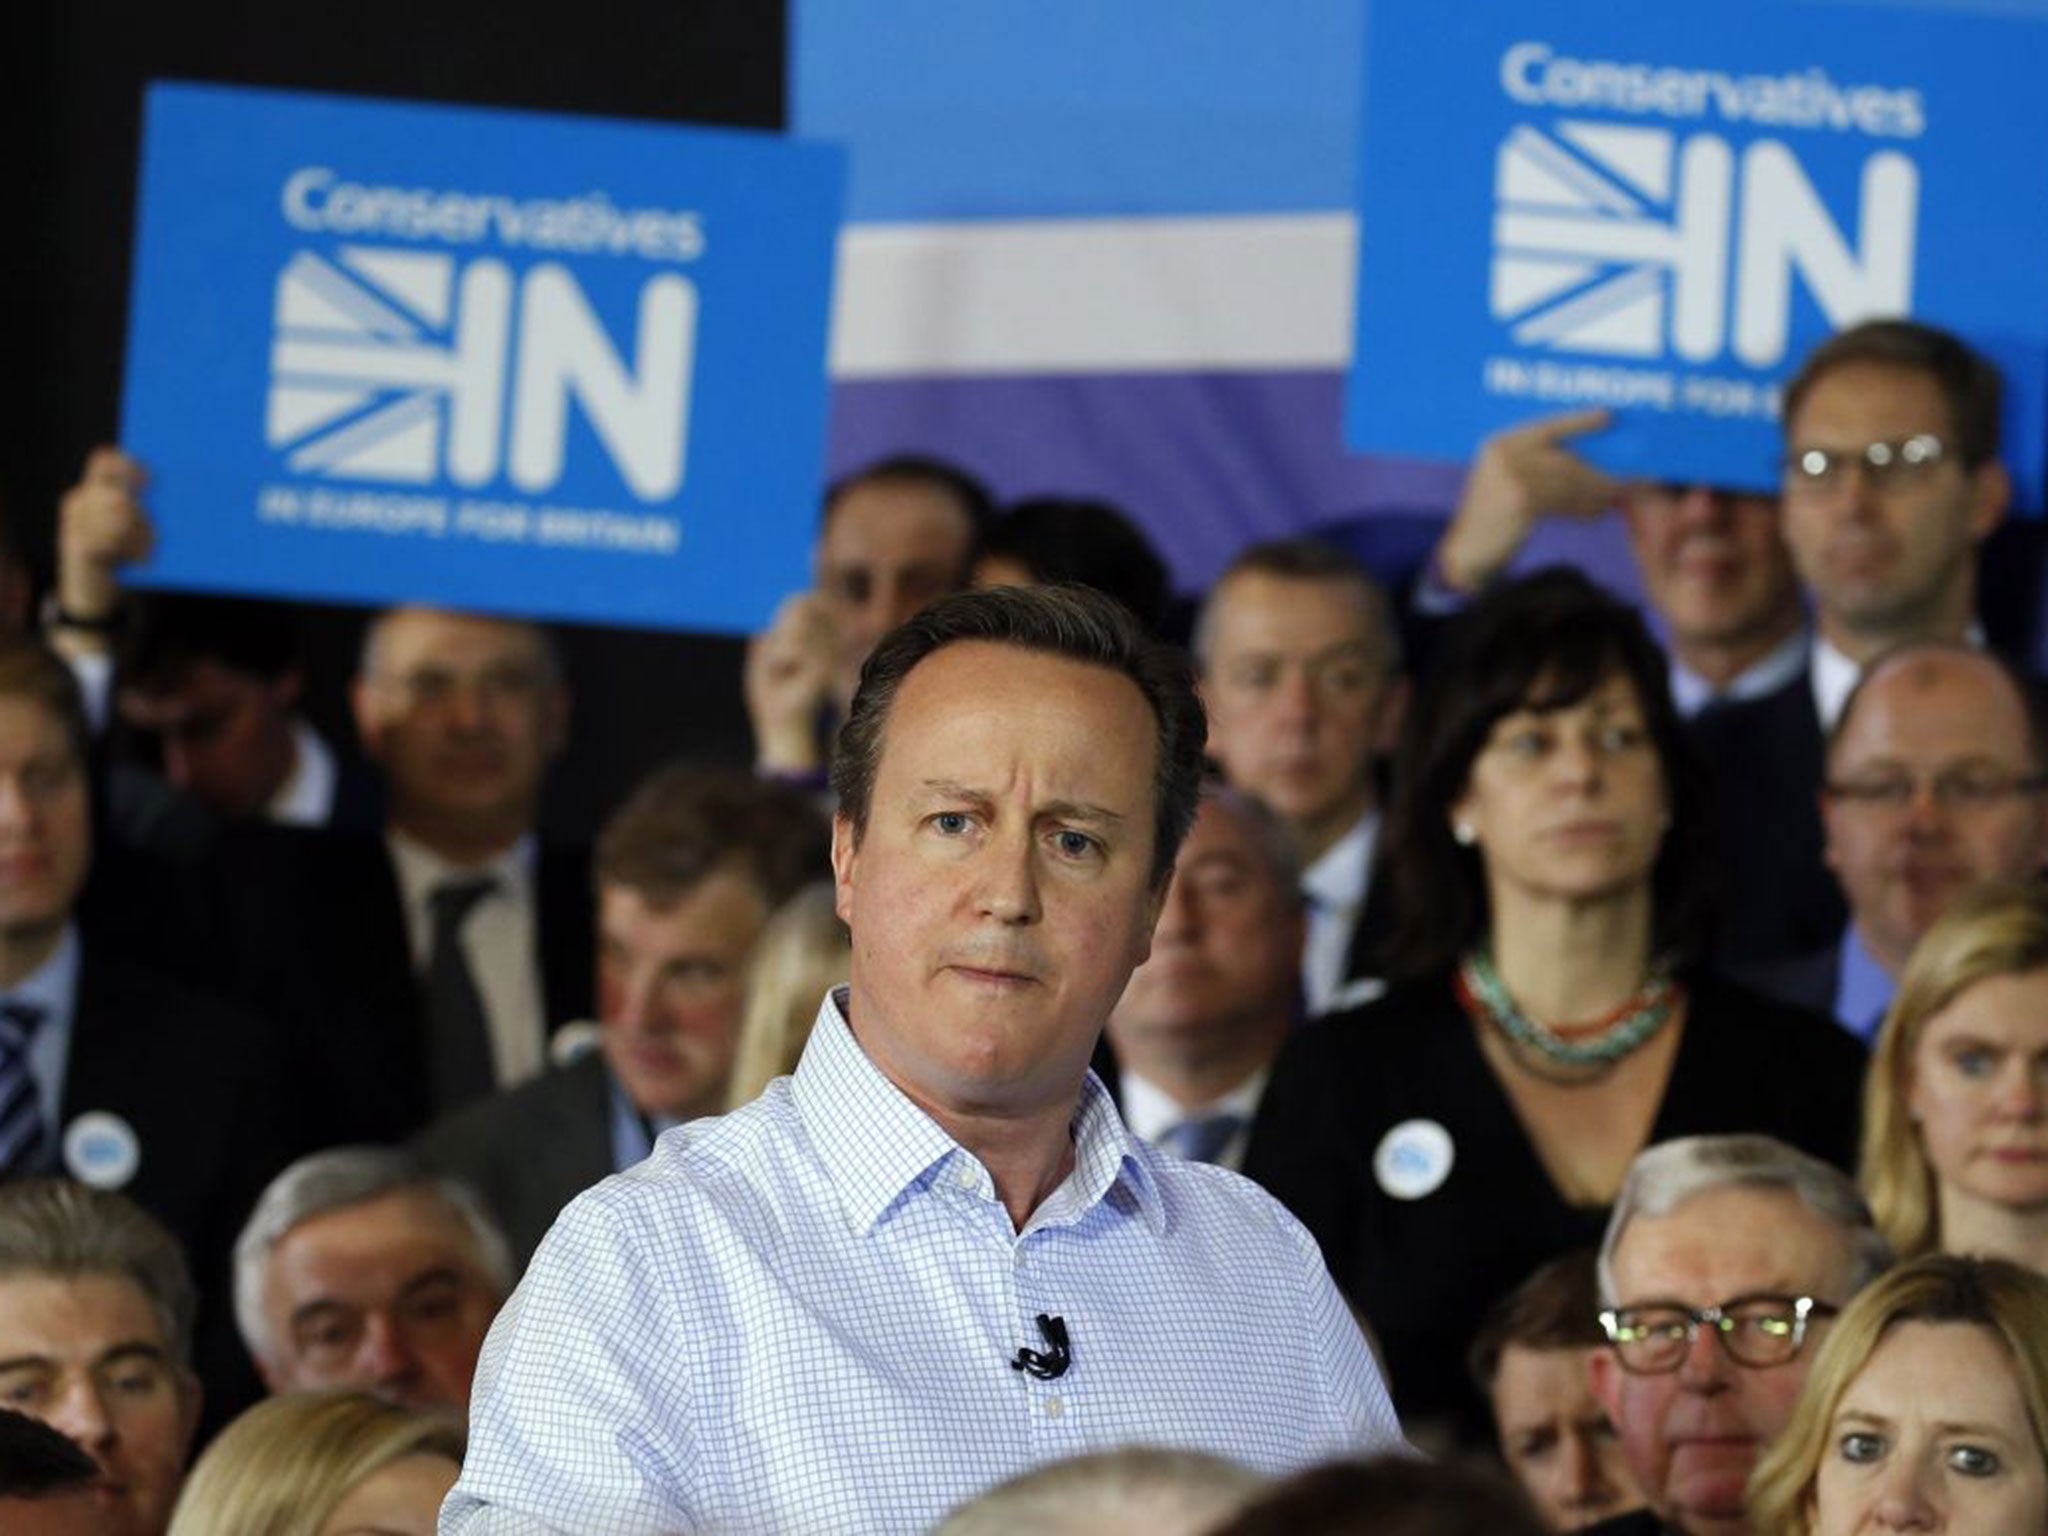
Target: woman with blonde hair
{"type": "Point", "coordinates": [1955, 1105]}
{"type": "Point", "coordinates": [1926, 1409]}
{"type": "Point", "coordinates": [801, 954]}
{"type": "Point", "coordinates": [322, 1464]}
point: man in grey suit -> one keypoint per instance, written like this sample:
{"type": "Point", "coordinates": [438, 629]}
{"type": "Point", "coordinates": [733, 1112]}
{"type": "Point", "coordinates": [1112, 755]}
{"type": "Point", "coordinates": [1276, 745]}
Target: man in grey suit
{"type": "Point", "coordinates": [686, 872]}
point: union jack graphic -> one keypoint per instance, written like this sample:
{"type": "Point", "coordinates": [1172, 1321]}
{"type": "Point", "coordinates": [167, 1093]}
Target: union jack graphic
{"type": "Point", "coordinates": [1611, 240]}
{"type": "Point", "coordinates": [374, 374]}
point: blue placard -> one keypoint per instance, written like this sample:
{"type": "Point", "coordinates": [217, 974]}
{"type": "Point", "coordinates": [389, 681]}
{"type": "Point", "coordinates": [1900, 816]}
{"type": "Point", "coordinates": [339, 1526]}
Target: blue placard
{"type": "Point", "coordinates": [1662, 208]}
{"type": "Point", "coordinates": [543, 365]}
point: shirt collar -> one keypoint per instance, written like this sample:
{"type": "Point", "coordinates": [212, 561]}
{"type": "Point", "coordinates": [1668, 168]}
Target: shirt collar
{"type": "Point", "coordinates": [1150, 1111]}
{"type": "Point", "coordinates": [420, 869]}
{"type": "Point", "coordinates": [1338, 879]}
{"type": "Point", "coordinates": [1767, 674]}
{"type": "Point", "coordinates": [877, 1147]}
{"type": "Point", "coordinates": [1834, 679]}
{"type": "Point", "coordinates": [51, 985]}
{"type": "Point", "coordinates": [1863, 988]}
{"type": "Point", "coordinates": [633, 1134]}
{"type": "Point", "coordinates": [1835, 675]}
{"type": "Point", "coordinates": [306, 798]}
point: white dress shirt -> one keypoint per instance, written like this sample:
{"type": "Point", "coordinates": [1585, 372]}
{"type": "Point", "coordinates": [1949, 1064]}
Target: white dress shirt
{"type": "Point", "coordinates": [51, 988]}
{"type": "Point", "coordinates": [1150, 1111]}
{"type": "Point", "coordinates": [306, 798]}
{"type": "Point", "coordinates": [498, 939]}
{"type": "Point", "coordinates": [1834, 679]}
{"type": "Point", "coordinates": [802, 1317]}
{"type": "Point", "coordinates": [1692, 693]}
{"type": "Point", "coordinates": [1336, 885]}
{"type": "Point", "coordinates": [1835, 676]}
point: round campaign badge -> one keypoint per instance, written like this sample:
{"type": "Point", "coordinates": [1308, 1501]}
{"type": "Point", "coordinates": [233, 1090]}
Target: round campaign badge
{"type": "Point", "coordinates": [100, 1149]}
{"type": "Point", "coordinates": [1413, 1159]}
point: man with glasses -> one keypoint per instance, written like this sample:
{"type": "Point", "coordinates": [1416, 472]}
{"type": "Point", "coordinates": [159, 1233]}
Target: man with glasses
{"type": "Point", "coordinates": [1891, 483]}
{"type": "Point", "coordinates": [1713, 561]}
{"type": "Point", "coordinates": [452, 943]}
{"type": "Point", "coordinates": [1724, 1261]}
{"type": "Point", "coordinates": [1937, 784]}
{"type": "Point", "coordinates": [113, 1070]}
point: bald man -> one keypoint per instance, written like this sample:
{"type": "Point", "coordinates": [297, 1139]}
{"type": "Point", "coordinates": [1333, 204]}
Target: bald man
{"type": "Point", "coordinates": [1935, 785]}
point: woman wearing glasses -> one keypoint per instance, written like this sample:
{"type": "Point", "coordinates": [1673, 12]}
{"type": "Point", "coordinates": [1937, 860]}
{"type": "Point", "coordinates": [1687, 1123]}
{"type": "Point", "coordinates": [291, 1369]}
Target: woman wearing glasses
{"type": "Point", "coordinates": [1545, 848]}
{"type": "Point", "coordinates": [1955, 1133]}
{"type": "Point", "coordinates": [1926, 1409]}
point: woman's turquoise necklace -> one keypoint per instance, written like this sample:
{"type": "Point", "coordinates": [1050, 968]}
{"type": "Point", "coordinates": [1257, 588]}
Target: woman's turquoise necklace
{"type": "Point", "coordinates": [1592, 1045]}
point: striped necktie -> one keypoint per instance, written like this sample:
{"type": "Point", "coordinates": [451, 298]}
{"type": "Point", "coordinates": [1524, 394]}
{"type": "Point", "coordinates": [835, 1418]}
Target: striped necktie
{"type": "Point", "coordinates": [22, 1132]}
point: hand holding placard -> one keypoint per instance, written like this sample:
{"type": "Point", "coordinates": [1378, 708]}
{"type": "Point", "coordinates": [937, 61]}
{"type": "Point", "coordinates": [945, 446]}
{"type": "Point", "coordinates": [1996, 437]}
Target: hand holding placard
{"type": "Point", "coordinates": [1521, 474]}
{"type": "Point", "coordinates": [101, 527]}
{"type": "Point", "coordinates": [788, 683]}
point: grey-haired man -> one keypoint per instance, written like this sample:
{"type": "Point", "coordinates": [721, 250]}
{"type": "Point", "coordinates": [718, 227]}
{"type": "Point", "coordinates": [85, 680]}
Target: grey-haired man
{"type": "Point", "coordinates": [1726, 1257]}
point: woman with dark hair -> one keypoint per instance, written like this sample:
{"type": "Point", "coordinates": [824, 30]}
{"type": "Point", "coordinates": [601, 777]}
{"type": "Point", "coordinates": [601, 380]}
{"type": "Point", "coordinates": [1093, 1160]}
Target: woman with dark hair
{"type": "Point", "coordinates": [1549, 1018]}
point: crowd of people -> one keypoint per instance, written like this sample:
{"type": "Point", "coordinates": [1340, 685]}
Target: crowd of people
{"type": "Point", "coordinates": [1365, 1050]}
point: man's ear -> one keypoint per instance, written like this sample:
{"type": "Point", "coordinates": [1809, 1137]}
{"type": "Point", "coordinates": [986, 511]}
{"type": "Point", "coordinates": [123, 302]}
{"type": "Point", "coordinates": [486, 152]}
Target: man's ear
{"type": "Point", "coordinates": [367, 712]}
{"type": "Point", "coordinates": [845, 855]}
{"type": "Point", "coordinates": [1826, 804]}
{"type": "Point", "coordinates": [1603, 1375]}
{"type": "Point", "coordinates": [1990, 496]}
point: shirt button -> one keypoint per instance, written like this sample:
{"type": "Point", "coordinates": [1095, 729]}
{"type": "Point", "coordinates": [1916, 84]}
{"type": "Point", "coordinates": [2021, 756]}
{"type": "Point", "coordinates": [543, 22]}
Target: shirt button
{"type": "Point", "coordinates": [964, 1179]}
{"type": "Point", "coordinates": [1054, 1407]}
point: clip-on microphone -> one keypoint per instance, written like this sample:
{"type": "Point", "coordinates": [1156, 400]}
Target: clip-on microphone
{"type": "Point", "coordinates": [1054, 1361]}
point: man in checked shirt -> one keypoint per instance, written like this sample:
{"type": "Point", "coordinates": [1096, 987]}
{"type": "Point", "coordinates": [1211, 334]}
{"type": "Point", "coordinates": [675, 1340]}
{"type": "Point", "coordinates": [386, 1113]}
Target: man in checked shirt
{"type": "Point", "coordinates": [935, 1257]}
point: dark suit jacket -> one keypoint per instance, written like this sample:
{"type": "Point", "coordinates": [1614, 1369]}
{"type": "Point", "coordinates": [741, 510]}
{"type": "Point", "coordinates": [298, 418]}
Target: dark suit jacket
{"type": "Point", "coordinates": [318, 924]}
{"type": "Point", "coordinates": [1637, 1522]}
{"type": "Point", "coordinates": [1804, 981]}
{"type": "Point", "coordinates": [1423, 1267]}
{"type": "Point", "coordinates": [1778, 898]}
{"type": "Point", "coordinates": [1365, 958]}
{"type": "Point", "coordinates": [532, 1149]}
{"type": "Point", "coordinates": [208, 1094]}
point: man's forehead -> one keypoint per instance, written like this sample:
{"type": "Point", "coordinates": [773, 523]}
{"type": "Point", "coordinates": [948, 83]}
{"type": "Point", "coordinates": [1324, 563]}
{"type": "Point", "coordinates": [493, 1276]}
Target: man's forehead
{"type": "Point", "coordinates": [418, 637]}
{"type": "Point", "coordinates": [1263, 605]}
{"type": "Point", "coordinates": [725, 897]}
{"type": "Point", "coordinates": [1225, 835]}
{"type": "Point", "coordinates": [938, 736]}
{"type": "Point", "coordinates": [400, 1221]}
{"type": "Point", "coordinates": [28, 721]}
{"type": "Point", "coordinates": [969, 673]}
{"type": "Point", "coordinates": [886, 518]}
{"type": "Point", "coordinates": [1726, 1242]}
{"type": "Point", "coordinates": [1863, 388]}
{"type": "Point", "coordinates": [1890, 709]}
{"type": "Point", "coordinates": [74, 1317]}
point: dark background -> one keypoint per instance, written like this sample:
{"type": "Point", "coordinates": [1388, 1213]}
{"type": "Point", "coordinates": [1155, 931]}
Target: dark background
{"type": "Point", "coordinates": [640, 697]}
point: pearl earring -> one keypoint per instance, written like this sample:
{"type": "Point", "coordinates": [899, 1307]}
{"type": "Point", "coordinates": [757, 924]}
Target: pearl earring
{"type": "Point", "coordinates": [1465, 833]}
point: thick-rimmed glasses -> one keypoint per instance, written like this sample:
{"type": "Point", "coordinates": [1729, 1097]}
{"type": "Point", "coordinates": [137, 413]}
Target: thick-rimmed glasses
{"type": "Point", "coordinates": [1756, 1331]}
{"type": "Point", "coordinates": [1808, 470]}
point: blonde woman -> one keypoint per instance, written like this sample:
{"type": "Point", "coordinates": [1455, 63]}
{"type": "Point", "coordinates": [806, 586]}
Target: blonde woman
{"type": "Point", "coordinates": [801, 954]}
{"type": "Point", "coordinates": [322, 1464]}
{"type": "Point", "coordinates": [1924, 1410]}
{"type": "Point", "coordinates": [1955, 1107]}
